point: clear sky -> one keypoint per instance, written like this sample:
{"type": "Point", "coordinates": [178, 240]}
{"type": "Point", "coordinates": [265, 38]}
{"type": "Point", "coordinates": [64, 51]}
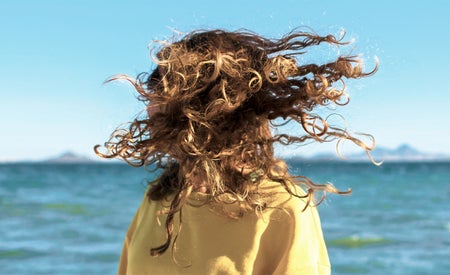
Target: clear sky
{"type": "Point", "coordinates": [54, 56]}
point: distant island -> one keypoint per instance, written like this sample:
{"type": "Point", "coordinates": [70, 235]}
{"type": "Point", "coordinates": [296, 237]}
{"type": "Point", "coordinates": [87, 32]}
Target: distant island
{"type": "Point", "coordinates": [404, 152]}
{"type": "Point", "coordinates": [68, 157]}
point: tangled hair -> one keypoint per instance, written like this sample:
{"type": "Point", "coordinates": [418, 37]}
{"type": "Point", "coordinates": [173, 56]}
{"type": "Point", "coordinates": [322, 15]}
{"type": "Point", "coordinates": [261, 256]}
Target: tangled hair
{"type": "Point", "coordinates": [210, 103]}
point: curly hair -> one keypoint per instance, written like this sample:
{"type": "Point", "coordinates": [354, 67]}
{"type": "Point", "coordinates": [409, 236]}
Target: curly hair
{"type": "Point", "coordinates": [211, 102]}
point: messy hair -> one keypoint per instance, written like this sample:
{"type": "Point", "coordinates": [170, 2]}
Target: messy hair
{"type": "Point", "coordinates": [217, 95]}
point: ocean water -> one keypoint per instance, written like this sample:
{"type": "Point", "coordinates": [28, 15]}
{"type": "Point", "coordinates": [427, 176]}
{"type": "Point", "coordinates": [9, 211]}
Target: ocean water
{"type": "Point", "coordinates": [71, 219]}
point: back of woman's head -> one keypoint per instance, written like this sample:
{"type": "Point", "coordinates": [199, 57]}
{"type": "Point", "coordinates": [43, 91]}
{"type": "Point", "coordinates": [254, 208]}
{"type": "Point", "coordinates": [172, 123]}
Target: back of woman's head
{"type": "Point", "coordinates": [203, 89]}
{"type": "Point", "coordinates": [213, 93]}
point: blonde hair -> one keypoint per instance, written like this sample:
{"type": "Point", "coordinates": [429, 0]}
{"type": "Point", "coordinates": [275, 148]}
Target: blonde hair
{"type": "Point", "coordinates": [215, 94]}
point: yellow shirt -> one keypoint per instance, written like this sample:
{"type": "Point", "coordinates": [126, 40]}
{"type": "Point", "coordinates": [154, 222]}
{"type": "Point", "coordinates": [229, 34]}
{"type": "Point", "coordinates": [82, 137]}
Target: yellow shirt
{"type": "Point", "coordinates": [283, 240]}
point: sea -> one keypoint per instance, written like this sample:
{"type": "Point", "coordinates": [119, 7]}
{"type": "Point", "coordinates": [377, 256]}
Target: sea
{"type": "Point", "coordinates": [72, 218]}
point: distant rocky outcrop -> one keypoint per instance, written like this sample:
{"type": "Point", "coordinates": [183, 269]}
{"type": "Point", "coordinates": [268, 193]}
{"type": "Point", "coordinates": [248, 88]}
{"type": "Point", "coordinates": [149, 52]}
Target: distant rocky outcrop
{"type": "Point", "coordinates": [404, 152]}
{"type": "Point", "coordinates": [68, 157]}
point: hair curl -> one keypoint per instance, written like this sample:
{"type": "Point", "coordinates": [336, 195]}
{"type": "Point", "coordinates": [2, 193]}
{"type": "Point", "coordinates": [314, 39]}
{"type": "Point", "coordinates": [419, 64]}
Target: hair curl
{"type": "Point", "coordinates": [210, 103]}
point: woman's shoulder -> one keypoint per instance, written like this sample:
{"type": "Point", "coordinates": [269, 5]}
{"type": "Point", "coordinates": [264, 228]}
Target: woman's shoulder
{"type": "Point", "coordinates": [286, 195]}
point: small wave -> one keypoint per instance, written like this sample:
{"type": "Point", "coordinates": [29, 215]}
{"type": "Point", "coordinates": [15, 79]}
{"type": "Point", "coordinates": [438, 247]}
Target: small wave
{"type": "Point", "coordinates": [447, 225]}
{"type": "Point", "coordinates": [358, 242]}
{"type": "Point", "coordinates": [19, 254]}
{"type": "Point", "coordinates": [74, 209]}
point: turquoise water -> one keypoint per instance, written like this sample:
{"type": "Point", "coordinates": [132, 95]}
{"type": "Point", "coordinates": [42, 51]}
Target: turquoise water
{"type": "Point", "coordinates": [71, 219]}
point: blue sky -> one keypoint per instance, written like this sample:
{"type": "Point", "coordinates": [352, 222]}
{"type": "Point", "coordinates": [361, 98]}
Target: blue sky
{"type": "Point", "coordinates": [54, 56]}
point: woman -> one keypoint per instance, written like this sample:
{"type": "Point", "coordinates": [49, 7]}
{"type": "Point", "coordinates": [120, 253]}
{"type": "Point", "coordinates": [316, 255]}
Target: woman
{"type": "Point", "coordinates": [228, 205]}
